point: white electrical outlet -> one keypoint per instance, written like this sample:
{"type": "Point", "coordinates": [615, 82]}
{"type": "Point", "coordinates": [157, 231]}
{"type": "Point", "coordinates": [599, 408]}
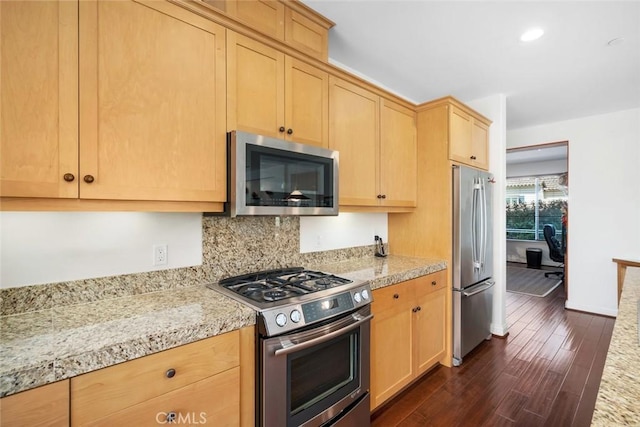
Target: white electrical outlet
{"type": "Point", "coordinates": [160, 255]}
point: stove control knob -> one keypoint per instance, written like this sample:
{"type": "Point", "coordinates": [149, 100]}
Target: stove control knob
{"type": "Point", "coordinates": [281, 319]}
{"type": "Point", "coordinates": [365, 294]}
{"type": "Point", "coordinates": [295, 316]}
{"type": "Point", "coordinates": [357, 298]}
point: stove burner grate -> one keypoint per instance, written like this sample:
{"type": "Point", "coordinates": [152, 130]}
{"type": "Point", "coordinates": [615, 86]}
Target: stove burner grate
{"type": "Point", "coordinates": [277, 285]}
{"type": "Point", "coordinates": [274, 295]}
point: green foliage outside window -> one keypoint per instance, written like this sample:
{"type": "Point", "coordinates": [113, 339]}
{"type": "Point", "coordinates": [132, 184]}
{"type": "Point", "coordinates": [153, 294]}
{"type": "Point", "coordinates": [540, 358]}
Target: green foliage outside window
{"type": "Point", "coordinates": [521, 219]}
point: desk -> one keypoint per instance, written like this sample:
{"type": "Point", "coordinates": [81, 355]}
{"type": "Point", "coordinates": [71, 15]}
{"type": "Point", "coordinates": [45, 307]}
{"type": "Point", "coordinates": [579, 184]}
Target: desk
{"type": "Point", "coordinates": [622, 270]}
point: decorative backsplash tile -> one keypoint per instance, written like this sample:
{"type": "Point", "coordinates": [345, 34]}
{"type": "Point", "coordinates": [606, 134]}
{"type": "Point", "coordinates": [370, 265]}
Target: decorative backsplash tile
{"type": "Point", "coordinates": [230, 246]}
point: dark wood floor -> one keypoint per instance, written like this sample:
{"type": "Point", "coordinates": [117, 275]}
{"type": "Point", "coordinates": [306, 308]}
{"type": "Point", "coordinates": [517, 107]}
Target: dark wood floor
{"type": "Point", "coordinates": [545, 373]}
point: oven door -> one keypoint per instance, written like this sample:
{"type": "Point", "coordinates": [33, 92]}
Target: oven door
{"type": "Point", "coordinates": [309, 378]}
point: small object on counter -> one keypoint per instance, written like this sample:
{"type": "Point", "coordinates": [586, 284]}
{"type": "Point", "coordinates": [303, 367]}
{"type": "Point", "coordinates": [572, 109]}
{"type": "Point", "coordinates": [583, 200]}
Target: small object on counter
{"type": "Point", "coordinates": [380, 252]}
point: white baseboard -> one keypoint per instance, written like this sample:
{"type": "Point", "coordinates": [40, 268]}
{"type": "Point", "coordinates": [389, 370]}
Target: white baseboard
{"type": "Point", "coordinates": [591, 309]}
{"type": "Point", "coordinates": [499, 330]}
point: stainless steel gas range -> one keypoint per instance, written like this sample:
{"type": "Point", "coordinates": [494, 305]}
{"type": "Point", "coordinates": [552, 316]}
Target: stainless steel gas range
{"type": "Point", "coordinates": [312, 346]}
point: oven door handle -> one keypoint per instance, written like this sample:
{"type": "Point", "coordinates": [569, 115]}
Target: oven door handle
{"type": "Point", "coordinates": [314, 341]}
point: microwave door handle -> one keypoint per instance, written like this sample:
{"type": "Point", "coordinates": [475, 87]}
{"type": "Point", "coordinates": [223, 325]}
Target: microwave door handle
{"type": "Point", "coordinates": [319, 340]}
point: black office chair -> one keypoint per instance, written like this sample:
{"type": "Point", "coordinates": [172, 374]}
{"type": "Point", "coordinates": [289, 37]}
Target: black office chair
{"type": "Point", "coordinates": [556, 250]}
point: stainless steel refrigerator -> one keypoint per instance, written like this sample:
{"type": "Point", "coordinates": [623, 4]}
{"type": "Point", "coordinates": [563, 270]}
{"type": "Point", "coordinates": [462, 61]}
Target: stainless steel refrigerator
{"type": "Point", "coordinates": [472, 259]}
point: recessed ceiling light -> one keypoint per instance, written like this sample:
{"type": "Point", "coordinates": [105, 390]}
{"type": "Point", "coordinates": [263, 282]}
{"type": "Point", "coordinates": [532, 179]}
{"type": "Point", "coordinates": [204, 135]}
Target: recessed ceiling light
{"type": "Point", "coordinates": [532, 34]}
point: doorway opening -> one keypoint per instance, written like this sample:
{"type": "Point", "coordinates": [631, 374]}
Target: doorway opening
{"type": "Point", "coordinates": [537, 202]}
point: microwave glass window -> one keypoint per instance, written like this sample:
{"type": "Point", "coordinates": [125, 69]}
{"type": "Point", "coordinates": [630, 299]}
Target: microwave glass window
{"type": "Point", "coordinates": [281, 178]}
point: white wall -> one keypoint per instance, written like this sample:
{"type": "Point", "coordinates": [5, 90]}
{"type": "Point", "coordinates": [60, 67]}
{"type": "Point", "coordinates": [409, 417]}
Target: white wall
{"type": "Point", "coordinates": [494, 107]}
{"type": "Point", "coordinates": [49, 247]}
{"type": "Point", "coordinates": [549, 167]}
{"type": "Point", "coordinates": [604, 200]}
{"type": "Point", "coordinates": [322, 233]}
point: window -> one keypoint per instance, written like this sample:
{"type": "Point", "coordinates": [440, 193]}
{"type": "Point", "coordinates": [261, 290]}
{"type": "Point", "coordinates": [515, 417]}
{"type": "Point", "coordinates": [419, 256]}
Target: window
{"type": "Point", "coordinates": [514, 200]}
{"type": "Point", "coordinates": [533, 202]}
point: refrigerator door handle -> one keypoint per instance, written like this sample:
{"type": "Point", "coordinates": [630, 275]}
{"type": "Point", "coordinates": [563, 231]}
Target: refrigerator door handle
{"type": "Point", "coordinates": [488, 284]}
{"type": "Point", "coordinates": [475, 245]}
{"type": "Point", "coordinates": [481, 231]}
{"type": "Point", "coordinates": [483, 207]}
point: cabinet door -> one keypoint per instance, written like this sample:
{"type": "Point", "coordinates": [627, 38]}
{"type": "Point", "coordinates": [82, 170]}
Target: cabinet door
{"type": "Point", "coordinates": [306, 35]}
{"type": "Point", "coordinates": [391, 342]}
{"type": "Point", "coordinates": [398, 150]}
{"type": "Point", "coordinates": [430, 330]}
{"type": "Point", "coordinates": [43, 406]}
{"type": "Point", "coordinates": [256, 87]}
{"type": "Point", "coordinates": [266, 16]}
{"type": "Point", "coordinates": [480, 145]}
{"type": "Point", "coordinates": [459, 135]}
{"type": "Point", "coordinates": [39, 99]}
{"type": "Point", "coordinates": [354, 132]}
{"type": "Point", "coordinates": [152, 103]}
{"type": "Point", "coordinates": [307, 103]}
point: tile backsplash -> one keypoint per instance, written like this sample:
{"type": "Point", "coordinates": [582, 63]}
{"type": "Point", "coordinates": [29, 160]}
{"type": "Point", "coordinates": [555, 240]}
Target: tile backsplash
{"type": "Point", "coordinates": [230, 246]}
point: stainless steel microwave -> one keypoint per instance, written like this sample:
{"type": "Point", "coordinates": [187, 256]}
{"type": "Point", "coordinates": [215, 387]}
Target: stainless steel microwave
{"type": "Point", "coordinates": [270, 176]}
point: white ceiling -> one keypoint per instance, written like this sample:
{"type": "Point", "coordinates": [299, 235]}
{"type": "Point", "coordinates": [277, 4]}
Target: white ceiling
{"type": "Point", "coordinates": [537, 154]}
{"type": "Point", "coordinates": [423, 50]}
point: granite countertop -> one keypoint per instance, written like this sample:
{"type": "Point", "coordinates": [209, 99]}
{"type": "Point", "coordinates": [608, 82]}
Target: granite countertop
{"type": "Point", "coordinates": [381, 272]}
{"type": "Point", "coordinates": [617, 402]}
{"type": "Point", "coordinates": [45, 346]}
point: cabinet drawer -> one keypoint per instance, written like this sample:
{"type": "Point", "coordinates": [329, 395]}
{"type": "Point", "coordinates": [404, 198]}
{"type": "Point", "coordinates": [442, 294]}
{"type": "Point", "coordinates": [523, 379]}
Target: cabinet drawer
{"type": "Point", "coordinates": [100, 393]}
{"type": "Point", "coordinates": [430, 283]}
{"type": "Point", "coordinates": [392, 296]}
{"type": "Point", "coordinates": [215, 400]}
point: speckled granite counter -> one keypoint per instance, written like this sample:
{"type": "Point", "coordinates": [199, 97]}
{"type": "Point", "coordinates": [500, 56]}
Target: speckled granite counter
{"type": "Point", "coordinates": [618, 401]}
{"type": "Point", "coordinates": [50, 345]}
{"type": "Point", "coordinates": [44, 346]}
{"type": "Point", "coordinates": [381, 272]}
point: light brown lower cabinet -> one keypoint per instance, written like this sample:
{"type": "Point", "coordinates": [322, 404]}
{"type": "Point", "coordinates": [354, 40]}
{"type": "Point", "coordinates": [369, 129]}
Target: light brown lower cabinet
{"type": "Point", "coordinates": [43, 406]}
{"type": "Point", "coordinates": [407, 333]}
{"type": "Point", "coordinates": [193, 384]}
{"type": "Point", "coordinates": [212, 401]}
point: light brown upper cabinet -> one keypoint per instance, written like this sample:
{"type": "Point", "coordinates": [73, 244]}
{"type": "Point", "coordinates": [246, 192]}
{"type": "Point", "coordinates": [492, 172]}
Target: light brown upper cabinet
{"type": "Point", "coordinates": [112, 101]}
{"type": "Point", "coordinates": [398, 163]}
{"type": "Point", "coordinates": [265, 16]}
{"type": "Point", "coordinates": [354, 131]}
{"type": "Point", "coordinates": [468, 137]}
{"type": "Point", "coordinates": [376, 139]}
{"type": "Point", "coordinates": [292, 22]}
{"type": "Point", "coordinates": [480, 144]}
{"type": "Point", "coordinates": [273, 94]}
{"type": "Point", "coordinates": [39, 99]}
{"type": "Point", "coordinates": [152, 103]}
